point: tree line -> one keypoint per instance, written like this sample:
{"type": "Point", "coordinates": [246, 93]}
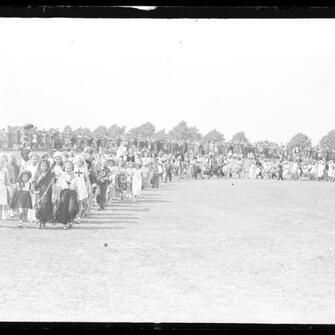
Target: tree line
{"type": "Point", "coordinates": [183, 132]}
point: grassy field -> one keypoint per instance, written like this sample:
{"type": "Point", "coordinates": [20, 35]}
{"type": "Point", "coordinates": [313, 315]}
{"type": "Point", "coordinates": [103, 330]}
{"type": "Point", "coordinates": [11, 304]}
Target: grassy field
{"type": "Point", "coordinates": [192, 251]}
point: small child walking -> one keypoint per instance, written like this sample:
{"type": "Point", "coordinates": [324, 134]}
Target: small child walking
{"type": "Point", "coordinates": [22, 197]}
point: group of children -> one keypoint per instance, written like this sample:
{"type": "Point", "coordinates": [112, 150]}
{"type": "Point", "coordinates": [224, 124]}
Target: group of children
{"type": "Point", "coordinates": [62, 187]}
{"type": "Point", "coordinates": [315, 170]}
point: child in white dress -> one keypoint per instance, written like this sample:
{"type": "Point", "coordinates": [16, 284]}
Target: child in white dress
{"type": "Point", "coordinates": [137, 179]}
{"type": "Point", "coordinates": [84, 185]}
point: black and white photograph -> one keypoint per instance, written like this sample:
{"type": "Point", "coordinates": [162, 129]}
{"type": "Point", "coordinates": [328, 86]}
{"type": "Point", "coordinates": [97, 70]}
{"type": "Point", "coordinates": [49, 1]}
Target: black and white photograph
{"type": "Point", "coordinates": [167, 170]}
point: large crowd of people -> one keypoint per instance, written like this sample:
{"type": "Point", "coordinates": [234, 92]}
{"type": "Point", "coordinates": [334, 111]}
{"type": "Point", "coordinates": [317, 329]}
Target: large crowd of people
{"type": "Point", "coordinates": [29, 136]}
{"type": "Point", "coordinates": [62, 186]}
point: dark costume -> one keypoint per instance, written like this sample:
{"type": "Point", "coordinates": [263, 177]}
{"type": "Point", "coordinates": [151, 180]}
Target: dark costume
{"type": "Point", "coordinates": [21, 198]}
{"type": "Point", "coordinates": [68, 206]}
{"type": "Point", "coordinates": [68, 202]}
{"type": "Point", "coordinates": [280, 172]}
{"type": "Point", "coordinates": [168, 170]}
{"type": "Point", "coordinates": [120, 183]}
{"type": "Point", "coordinates": [102, 182]}
{"type": "Point", "coordinates": [43, 205]}
{"type": "Point", "coordinates": [155, 178]}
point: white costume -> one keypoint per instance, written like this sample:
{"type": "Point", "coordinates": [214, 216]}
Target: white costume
{"type": "Point", "coordinates": [252, 171]}
{"type": "Point", "coordinates": [321, 168]}
{"type": "Point", "coordinates": [331, 170]}
{"type": "Point", "coordinates": [80, 173]}
{"type": "Point", "coordinates": [58, 171]}
{"type": "Point", "coordinates": [66, 181]}
{"type": "Point", "coordinates": [286, 168]}
{"type": "Point", "coordinates": [137, 182]}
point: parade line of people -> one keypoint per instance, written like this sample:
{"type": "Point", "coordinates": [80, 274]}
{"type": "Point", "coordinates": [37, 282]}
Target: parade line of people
{"type": "Point", "coordinates": [62, 187]}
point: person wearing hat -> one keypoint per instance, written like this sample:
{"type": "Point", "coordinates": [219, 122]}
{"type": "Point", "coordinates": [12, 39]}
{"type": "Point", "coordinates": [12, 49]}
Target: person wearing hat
{"type": "Point", "coordinates": [21, 199]}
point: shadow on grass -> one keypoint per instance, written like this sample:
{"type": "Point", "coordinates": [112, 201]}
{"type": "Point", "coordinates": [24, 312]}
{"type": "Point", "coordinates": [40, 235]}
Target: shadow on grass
{"type": "Point", "coordinates": [105, 219]}
{"type": "Point", "coordinates": [80, 227]}
{"type": "Point", "coordinates": [113, 216]}
{"type": "Point", "coordinates": [110, 220]}
{"type": "Point", "coordinates": [151, 201]}
{"type": "Point", "coordinates": [129, 209]}
{"type": "Point", "coordinates": [15, 226]}
{"type": "Point", "coordinates": [75, 227]}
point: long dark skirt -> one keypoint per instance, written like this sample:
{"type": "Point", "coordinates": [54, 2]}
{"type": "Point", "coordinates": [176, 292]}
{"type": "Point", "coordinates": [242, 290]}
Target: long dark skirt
{"type": "Point", "coordinates": [44, 208]}
{"type": "Point", "coordinates": [68, 206]}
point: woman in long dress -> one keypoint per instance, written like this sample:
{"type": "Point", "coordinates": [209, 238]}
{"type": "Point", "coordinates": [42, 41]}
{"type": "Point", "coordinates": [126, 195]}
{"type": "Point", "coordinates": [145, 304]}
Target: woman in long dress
{"type": "Point", "coordinates": [43, 184]}
{"type": "Point", "coordinates": [137, 179]}
{"type": "Point", "coordinates": [68, 201]}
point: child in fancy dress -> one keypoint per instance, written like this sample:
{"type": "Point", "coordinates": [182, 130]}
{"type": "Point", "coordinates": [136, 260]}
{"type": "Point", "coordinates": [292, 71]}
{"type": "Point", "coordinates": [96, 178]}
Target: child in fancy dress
{"type": "Point", "coordinates": [57, 169]}
{"type": "Point", "coordinates": [111, 191]}
{"type": "Point", "coordinates": [121, 181]}
{"type": "Point", "coordinates": [129, 175]}
{"type": "Point", "coordinates": [154, 176]}
{"type": "Point", "coordinates": [21, 199]}
{"type": "Point", "coordinates": [102, 179]}
{"type": "Point", "coordinates": [67, 186]}
{"type": "Point", "coordinates": [137, 180]}
{"type": "Point", "coordinates": [84, 186]}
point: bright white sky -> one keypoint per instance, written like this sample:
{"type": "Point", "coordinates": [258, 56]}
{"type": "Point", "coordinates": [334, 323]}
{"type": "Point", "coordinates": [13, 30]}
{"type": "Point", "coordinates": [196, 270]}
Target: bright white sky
{"type": "Point", "coordinates": [269, 78]}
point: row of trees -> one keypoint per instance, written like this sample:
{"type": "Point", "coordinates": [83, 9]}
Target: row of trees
{"type": "Point", "coordinates": [182, 132]}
